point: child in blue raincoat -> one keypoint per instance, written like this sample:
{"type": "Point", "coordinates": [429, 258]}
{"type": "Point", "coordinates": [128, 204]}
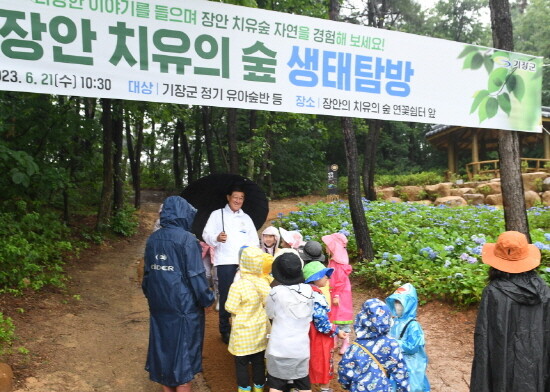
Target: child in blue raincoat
{"type": "Point", "coordinates": [374, 361]}
{"type": "Point", "coordinates": [403, 304]}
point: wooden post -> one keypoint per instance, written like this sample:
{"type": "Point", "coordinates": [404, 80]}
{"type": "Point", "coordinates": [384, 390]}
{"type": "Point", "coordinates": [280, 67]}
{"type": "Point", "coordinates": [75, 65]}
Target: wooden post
{"type": "Point", "coordinates": [546, 143]}
{"type": "Point", "coordinates": [475, 151]}
{"type": "Point", "coordinates": [451, 156]}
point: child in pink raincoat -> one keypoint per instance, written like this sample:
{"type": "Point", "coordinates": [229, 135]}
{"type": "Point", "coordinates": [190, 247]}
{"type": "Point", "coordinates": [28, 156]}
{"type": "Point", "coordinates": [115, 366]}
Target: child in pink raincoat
{"type": "Point", "coordinates": [341, 312]}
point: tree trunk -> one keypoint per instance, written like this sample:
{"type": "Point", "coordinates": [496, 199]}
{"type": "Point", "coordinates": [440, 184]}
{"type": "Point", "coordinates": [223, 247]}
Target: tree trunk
{"type": "Point", "coordinates": [107, 190]}
{"type": "Point", "coordinates": [118, 138]}
{"type": "Point", "coordinates": [513, 197]}
{"type": "Point", "coordinates": [232, 140]}
{"type": "Point", "coordinates": [176, 165]}
{"type": "Point", "coordinates": [187, 154]}
{"type": "Point", "coordinates": [369, 164]}
{"type": "Point", "coordinates": [364, 243]}
{"type": "Point", "coordinates": [134, 154]}
{"type": "Point", "coordinates": [208, 138]}
{"type": "Point", "coordinates": [362, 236]}
{"type": "Point", "coordinates": [197, 155]}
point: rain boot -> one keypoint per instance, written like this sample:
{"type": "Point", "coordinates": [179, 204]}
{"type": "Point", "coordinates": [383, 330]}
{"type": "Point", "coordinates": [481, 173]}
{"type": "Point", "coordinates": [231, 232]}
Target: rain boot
{"type": "Point", "coordinates": [258, 388]}
{"type": "Point", "coordinates": [345, 345]}
{"type": "Point", "coordinates": [241, 389]}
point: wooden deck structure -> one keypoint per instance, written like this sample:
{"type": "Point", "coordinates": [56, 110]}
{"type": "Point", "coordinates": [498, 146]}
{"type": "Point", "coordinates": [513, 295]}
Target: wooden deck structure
{"type": "Point", "coordinates": [479, 141]}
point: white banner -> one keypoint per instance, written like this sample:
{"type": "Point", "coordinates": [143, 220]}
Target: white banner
{"type": "Point", "coordinates": [207, 53]}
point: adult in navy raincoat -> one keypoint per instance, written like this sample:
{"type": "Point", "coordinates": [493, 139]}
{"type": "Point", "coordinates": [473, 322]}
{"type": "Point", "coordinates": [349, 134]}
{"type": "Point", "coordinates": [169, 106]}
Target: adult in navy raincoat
{"type": "Point", "coordinates": [403, 304]}
{"type": "Point", "coordinates": [512, 335]}
{"type": "Point", "coordinates": [176, 288]}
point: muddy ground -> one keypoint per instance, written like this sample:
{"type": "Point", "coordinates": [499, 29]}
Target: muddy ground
{"type": "Point", "coordinates": [92, 337]}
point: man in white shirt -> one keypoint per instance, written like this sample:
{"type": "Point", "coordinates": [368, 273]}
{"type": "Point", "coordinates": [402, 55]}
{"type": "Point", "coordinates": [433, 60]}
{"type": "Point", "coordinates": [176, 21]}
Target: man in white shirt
{"type": "Point", "coordinates": [227, 230]}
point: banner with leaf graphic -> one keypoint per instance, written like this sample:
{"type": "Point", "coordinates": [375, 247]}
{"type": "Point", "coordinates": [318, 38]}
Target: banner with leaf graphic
{"type": "Point", "coordinates": [197, 52]}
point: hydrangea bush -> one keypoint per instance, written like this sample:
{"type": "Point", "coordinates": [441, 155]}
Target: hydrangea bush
{"type": "Point", "coordinates": [437, 249]}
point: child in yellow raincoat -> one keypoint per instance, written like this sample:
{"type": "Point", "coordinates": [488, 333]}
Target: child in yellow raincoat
{"type": "Point", "coordinates": [249, 329]}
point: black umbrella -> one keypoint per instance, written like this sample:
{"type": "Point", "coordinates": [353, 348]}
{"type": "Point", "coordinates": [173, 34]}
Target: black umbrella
{"type": "Point", "coordinates": [209, 193]}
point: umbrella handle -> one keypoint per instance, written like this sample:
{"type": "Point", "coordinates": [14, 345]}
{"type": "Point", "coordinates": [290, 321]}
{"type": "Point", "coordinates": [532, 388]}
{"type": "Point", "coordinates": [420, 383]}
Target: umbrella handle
{"type": "Point", "coordinates": [223, 225]}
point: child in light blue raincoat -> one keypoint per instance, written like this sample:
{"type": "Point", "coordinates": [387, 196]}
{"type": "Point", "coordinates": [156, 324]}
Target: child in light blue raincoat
{"type": "Point", "coordinates": [374, 361]}
{"type": "Point", "coordinates": [403, 304]}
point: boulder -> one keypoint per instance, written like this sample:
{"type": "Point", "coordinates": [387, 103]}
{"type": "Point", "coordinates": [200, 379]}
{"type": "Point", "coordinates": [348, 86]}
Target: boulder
{"type": "Point", "coordinates": [451, 201]}
{"type": "Point", "coordinates": [474, 199]}
{"type": "Point", "coordinates": [6, 378]}
{"type": "Point", "coordinates": [438, 190]}
{"type": "Point", "coordinates": [461, 191]}
{"type": "Point", "coordinates": [386, 193]}
{"type": "Point", "coordinates": [546, 198]}
{"type": "Point", "coordinates": [489, 188]}
{"type": "Point", "coordinates": [494, 200]}
{"type": "Point", "coordinates": [531, 198]}
{"type": "Point", "coordinates": [546, 184]}
{"type": "Point", "coordinates": [411, 193]}
{"type": "Point", "coordinates": [470, 184]}
{"type": "Point", "coordinates": [533, 181]}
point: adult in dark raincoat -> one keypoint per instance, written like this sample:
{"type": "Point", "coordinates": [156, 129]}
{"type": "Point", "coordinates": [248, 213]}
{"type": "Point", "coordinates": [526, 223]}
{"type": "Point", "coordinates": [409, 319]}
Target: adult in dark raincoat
{"type": "Point", "coordinates": [175, 285]}
{"type": "Point", "coordinates": [512, 335]}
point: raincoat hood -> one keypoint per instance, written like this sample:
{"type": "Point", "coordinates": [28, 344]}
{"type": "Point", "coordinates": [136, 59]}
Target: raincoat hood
{"type": "Point", "coordinates": [373, 320]}
{"type": "Point", "coordinates": [272, 230]}
{"type": "Point", "coordinates": [520, 288]}
{"type": "Point", "coordinates": [267, 263]}
{"type": "Point", "coordinates": [405, 294]}
{"type": "Point", "coordinates": [251, 262]}
{"type": "Point", "coordinates": [177, 212]}
{"type": "Point", "coordinates": [336, 245]}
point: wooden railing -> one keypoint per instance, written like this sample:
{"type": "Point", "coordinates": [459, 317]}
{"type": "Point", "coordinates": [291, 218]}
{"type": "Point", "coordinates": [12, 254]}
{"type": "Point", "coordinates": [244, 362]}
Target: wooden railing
{"type": "Point", "coordinates": [491, 168]}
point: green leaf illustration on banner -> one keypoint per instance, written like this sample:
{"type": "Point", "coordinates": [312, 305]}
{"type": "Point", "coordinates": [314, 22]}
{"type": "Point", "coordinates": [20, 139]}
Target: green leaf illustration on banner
{"type": "Point", "coordinates": [519, 87]}
{"type": "Point", "coordinates": [497, 78]}
{"type": "Point", "coordinates": [478, 97]}
{"type": "Point", "coordinates": [504, 103]}
{"type": "Point", "coordinates": [507, 82]}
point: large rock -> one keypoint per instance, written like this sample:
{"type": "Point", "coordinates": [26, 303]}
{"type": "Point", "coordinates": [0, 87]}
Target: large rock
{"type": "Point", "coordinates": [438, 190]}
{"type": "Point", "coordinates": [6, 378]}
{"type": "Point", "coordinates": [423, 202]}
{"type": "Point", "coordinates": [531, 198]}
{"type": "Point", "coordinates": [474, 199]}
{"type": "Point", "coordinates": [533, 181]}
{"type": "Point", "coordinates": [489, 188]}
{"type": "Point", "coordinates": [460, 191]}
{"type": "Point", "coordinates": [386, 193]}
{"type": "Point", "coordinates": [451, 201]}
{"type": "Point", "coordinates": [546, 198]}
{"type": "Point", "coordinates": [546, 184]}
{"type": "Point", "coordinates": [411, 193]}
{"type": "Point", "coordinates": [494, 200]}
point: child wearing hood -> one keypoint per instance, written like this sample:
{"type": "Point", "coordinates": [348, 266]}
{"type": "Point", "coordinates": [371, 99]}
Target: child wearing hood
{"type": "Point", "coordinates": [290, 307]}
{"type": "Point", "coordinates": [321, 331]}
{"type": "Point", "coordinates": [291, 239]}
{"type": "Point", "coordinates": [249, 326]}
{"type": "Point", "coordinates": [270, 239]}
{"type": "Point", "coordinates": [340, 286]}
{"type": "Point", "coordinates": [403, 304]}
{"type": "Point", "coordinates": [374, 361]}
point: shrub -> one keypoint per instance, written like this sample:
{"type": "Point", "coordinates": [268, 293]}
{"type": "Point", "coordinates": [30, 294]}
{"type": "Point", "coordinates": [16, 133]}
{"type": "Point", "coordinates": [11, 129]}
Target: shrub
{"type": "Point", "coordinates": [418, 179]}
{"type": "Point", "coordinates": [125, 222]}
{"type": "Point", "coordinates": [7, 333]}
{"type": "Point", "coordinates": [437, 249]}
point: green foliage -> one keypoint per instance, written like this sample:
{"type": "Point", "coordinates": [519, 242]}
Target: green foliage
{"type": "Point", "coordinates": [7, 333]}
{"type": "Point", "coordinates": [33, 245]}
{"type": "Point", "coordinates": [437, 249]}
{"type": "Point", "coordinates": [418, 179]}
{"type": "Point", "coordinates": [125, 222]}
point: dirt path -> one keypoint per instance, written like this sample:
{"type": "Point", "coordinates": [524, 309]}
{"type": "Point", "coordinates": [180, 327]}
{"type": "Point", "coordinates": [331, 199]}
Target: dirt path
{"type": "Point", "coordinates": [93, 338]}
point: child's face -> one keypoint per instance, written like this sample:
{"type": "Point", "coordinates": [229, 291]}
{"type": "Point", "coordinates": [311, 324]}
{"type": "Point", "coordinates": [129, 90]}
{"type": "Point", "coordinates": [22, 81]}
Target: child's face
{"type": "Point", "coordinates": [321, 282]}
{"type": "Point", "coordinates": [398, 308]}
{"type": "Point", "coordinates": [269, 240]}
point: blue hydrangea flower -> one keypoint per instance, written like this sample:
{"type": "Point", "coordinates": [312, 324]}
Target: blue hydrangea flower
{"type": "Point", "coordinates": [395, 230]}
{"type": "Point", "coordinates": [344, 232]}
{"type": "Point", "coordinates": [471, 260]}
{"type": "Point", "coordinates": [447, 264]}
{"type": "Point", "coordinates": [344, 224]}
{"type": "Point", "coordinates": [547, 236]}
{"type": "Point", "coordinates": [385, 255]}
{"type": "Point", "coordinates": [449, 248]}
{"type": "Point", "coordinates": [314, 224]}
{"type": "Point", "coordinates": [398, 257]}
{"type": "Point", "coordinates": [458, 275]}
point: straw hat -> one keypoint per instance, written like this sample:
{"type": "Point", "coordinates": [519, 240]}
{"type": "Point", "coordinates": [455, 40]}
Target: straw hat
{"type": "Point", "coordinates": [511, 253]}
